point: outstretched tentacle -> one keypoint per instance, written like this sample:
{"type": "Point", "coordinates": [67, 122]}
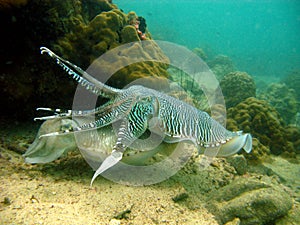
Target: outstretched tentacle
{"type": "Point", "coordinates": [103, 118]}
{"type": "Point", "coordinates": [57, 113]}
{"type": "Point", "coordinates": [104, 115]}
{"type": "Point", "coordinates": [82, 77]}
{"type": "Point", "coordinates": [63, 113]}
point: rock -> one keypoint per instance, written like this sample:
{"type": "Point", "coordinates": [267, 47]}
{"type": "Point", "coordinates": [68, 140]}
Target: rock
{"type": "Point", "coordinates": [236, 221]}
{"type": "Point", "coordinates": [239, 163]}
{"type": "Point", "coordinates": [114, 222]}
{"type": "Point", "coordinates": [250, 200]}
{"type": "Point", "coordinates": [293, 217]}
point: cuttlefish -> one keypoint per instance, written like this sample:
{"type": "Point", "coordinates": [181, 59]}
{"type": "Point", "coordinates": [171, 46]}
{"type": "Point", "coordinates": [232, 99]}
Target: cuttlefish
{"type": "Point", "coordinates": [132, 112]}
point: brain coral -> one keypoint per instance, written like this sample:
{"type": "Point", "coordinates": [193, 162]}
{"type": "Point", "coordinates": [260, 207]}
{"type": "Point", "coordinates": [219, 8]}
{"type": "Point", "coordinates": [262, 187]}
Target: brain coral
{"type": "Point", "coordinates": [283, 99]}
{"type": "Point", "coordinates": [236, 87]}
{"type": "Point", "coordinates": [263, 122]}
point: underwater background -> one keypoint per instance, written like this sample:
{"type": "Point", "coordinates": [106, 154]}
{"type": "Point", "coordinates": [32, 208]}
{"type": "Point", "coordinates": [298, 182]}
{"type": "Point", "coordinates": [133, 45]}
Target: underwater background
{"type": "Point", "coordinates": [261, 37]}
{"type": "Point", "coordinates": [252, 47]}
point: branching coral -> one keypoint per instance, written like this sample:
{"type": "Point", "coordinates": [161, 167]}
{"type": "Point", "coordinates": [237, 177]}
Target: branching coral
{"type": "Point", "coordinates": [236, 87]}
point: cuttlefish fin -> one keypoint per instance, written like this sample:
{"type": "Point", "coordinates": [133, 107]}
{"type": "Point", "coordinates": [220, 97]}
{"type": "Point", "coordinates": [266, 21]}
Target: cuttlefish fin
{"type": "Point", "coordinates": [109, 162]}
{"type": "Point", "coordinates": [235, 144]}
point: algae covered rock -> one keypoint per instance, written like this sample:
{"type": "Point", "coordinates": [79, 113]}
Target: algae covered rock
{"type": "Point", "coordinates": [252, 201]}
{"type": "Point", "coordinates": [236, 87]}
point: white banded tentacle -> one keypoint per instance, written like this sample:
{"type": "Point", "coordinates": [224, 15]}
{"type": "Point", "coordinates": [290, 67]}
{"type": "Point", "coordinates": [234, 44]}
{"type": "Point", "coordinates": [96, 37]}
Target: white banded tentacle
{"type": "Point", "coordinates": [82, 77]}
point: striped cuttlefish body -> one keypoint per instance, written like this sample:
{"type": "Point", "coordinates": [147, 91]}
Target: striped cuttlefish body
{"type": "Point", "coordinates": [138, 109]}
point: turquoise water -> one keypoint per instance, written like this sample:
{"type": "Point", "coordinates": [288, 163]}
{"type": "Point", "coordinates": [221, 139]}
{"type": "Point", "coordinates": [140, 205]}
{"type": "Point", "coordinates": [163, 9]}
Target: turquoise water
{"type": "Point", "coordinates": [261, 37]}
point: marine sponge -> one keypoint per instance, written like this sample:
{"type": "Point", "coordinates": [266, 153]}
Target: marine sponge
{"type": "Point", "coordinates": [236, 87]}
{"type": "Point", "coordinates": [263, 122]}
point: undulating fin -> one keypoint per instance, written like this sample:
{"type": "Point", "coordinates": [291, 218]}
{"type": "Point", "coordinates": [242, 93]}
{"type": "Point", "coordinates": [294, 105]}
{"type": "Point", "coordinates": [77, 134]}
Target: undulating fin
{"type": "Point", "coordinates": [236, 144]}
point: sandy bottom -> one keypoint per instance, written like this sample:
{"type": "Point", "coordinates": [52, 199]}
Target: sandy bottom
{"type": "Point", "coordinates": [59, 193]}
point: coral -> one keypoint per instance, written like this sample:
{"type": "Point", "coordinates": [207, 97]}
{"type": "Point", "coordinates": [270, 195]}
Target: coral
{"type": "Point", "coordinates": [293, 135]}
{"type": "Point", "coordinates": [129, 34]}
{"type": "Point", "coordinates": [90, 40]}
{"type": "Point", "coordinates": [78, 30]}
{"type": "Point", "coordinates": [7, 4]}
{"type": "Point", "coordinates": [283, 99]}
{"type": "Point", "coordinates": [263, 122]}
{"type": "Point", "coordinates": [200, 52]}
{"type": "Point", "coordinates": [139, 23]}
{"type": "Point", "coordinates": [293, 81]}
{"type": "Point", "coordinates": [105, 32]}
{"type": "Point", "coordinates": [236, 87]}
{"type": "Point", "coordinates": [259, 151]}
{"type": "Point", "coordinates": [23, 68]}
{"type": "Point", "coordinates": [132, 18]}
{"type": "Point", "coordinates": [143, 54]}
{"type": "Point", "coordinates": [221, 65]}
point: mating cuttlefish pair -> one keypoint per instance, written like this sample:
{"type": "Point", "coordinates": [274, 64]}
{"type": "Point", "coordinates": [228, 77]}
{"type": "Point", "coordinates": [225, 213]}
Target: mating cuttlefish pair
{"type": "Point", "coordinates": [136, 110]}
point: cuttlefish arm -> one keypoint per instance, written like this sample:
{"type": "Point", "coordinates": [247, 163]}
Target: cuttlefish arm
{"type": "Point", "coordinates": [48, 149]}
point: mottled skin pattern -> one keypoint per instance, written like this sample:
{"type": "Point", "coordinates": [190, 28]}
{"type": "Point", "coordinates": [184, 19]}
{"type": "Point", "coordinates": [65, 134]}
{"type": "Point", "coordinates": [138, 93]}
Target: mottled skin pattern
{"type": "Point", "coordinates": [138, 108]}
